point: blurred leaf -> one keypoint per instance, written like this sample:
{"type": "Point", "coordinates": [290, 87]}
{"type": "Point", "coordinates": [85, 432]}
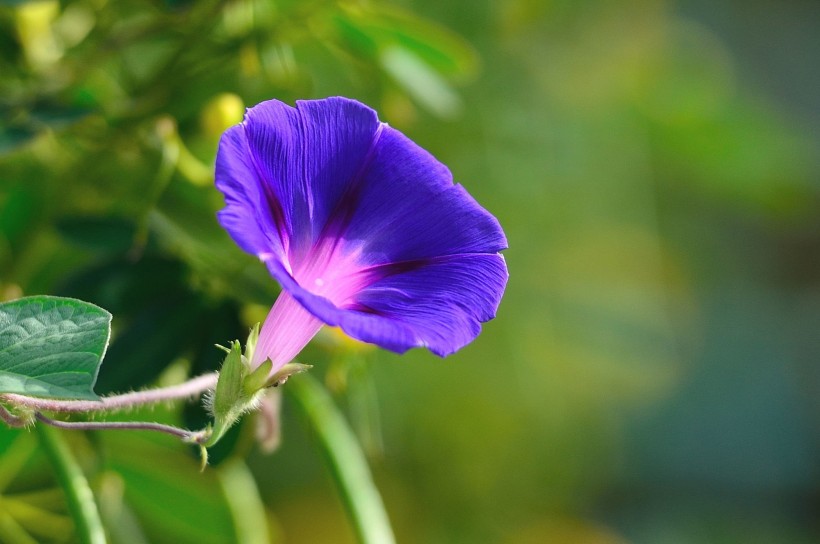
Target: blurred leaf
{"type": "Point", "coordinates": [19, 211]}
{"type": "Point", "coordinates": [693, 81]}
{"type": "Point", "coordinates": [750, 157]}
{"type": "Point", "coordinates": [127, 287]}
{"type": "Point", "coordinates": [51, 346]}
{"type": "Point", "coordinates": [12, 138]}
{"type": "Point", "coordinates": [56, 116]}
{"type": "Point", "coordinates": [420, 81]}
{"type": "Point", "coordinates": [17, 2]}
{"type": "Point", "coordinates": [176, 503]}
{"type": "Point", "coordinates": [30, 504]}
{"type": "Point", "coordinates": [186, 226]}
{"type": "Point", "coordinates": [369, 30]}
{"type": "Point", "coordinates": [156, 317]}
{"type": "Point", "coordinates": [109, 234]}
{"type": "Point", "coordinates": [160, 317]}
{"type": "Point", "coordinates": [148, 487]}
{"type": "Point", "coordinates": [17, 448]}
{"type": "Point", "coordinates": [26, 127]}
{"type": "Point", "coordinates": [418, 55]}
{"type": "Point", "coordinates": [155, 337]}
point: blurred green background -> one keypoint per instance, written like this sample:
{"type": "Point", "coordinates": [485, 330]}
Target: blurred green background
{"type": "Point", "coordinates": [652, 374]}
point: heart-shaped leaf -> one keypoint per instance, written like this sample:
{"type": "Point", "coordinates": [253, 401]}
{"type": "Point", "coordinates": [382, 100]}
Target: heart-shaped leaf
{"type": "Point", "coordinates": [52, 346]}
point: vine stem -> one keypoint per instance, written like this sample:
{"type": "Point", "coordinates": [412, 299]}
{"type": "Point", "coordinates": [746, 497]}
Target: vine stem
{"type": "Point", "coordinates": [10, 419]}
{"type": "Point", "coordinates": [188, 436]}
{"type": "Point", "coordinates": [191, 388]}
{"type": "Point", "coordinates": [78, 493]}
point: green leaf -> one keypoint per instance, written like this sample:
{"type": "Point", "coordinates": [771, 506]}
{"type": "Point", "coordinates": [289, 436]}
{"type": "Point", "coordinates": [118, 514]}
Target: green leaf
{"type": "Point", "coordinates": [52, 346]}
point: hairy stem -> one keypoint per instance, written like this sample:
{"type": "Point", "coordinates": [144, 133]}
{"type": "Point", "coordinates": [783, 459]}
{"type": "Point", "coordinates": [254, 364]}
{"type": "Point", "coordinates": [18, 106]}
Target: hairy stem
{"type": "Point", "coordinates": [10, 419]}
{"type": "Point", "coordinates": [191, 388]}
{"type": "Point", "coordinates": [126, 425]}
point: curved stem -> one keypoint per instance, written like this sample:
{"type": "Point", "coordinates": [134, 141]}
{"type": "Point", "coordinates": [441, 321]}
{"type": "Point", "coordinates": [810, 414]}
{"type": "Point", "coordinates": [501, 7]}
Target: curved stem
{"type": "Point", "coordinates": [191, 388]}
{"type": "Point", "coordinates": [346, 460]}
{"type": "Point", "coordinates": [109, 425]}
{"type": "Point", "coordinates": [10, 419]}
{"type": "Point", "coordinates": [79, 497]}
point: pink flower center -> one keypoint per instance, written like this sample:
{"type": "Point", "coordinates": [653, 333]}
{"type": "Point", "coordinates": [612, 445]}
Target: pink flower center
{"type": "Point", "coordinates": [328, 270]}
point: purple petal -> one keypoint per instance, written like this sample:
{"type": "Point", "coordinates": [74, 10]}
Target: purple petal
{"type": "Point", "coordinates": [408, 208]}
{"type": "Point", "coordinates": [308, 156]}
{"type": "Point", "coordinates": [247, 215]}
{"type": "Point", "coordinates": [361, 226]}
{"type": "Point", "coordinates": [439, 304]}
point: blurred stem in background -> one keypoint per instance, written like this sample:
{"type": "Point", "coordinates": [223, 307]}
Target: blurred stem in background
{"type": "Point", "coordinates": [80, 499]}
{"type": "Point", "coordinates": [346, 461]}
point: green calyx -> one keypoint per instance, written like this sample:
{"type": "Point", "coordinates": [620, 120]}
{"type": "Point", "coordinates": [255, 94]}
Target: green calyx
{"type": "Point", "coordinates": [239, 387]}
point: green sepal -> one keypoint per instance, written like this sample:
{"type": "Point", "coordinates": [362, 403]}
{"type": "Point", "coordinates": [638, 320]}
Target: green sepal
{"type": "Point", "coordinates": [229, 385]}
{"type": "Point", "coordinates": [230, 399]}
{"type": "Point", "coordinates": [286, 372]}
{"type": "Point", "coordinates": [250, 345]}
{"type": "Point", "coordinates": [239, 389]}
{"type": "Point", "coordinates": [257, 379]}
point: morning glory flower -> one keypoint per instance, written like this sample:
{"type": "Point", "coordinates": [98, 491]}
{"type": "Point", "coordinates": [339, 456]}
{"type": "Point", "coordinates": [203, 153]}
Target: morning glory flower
{"type": "Point", "coordinates": [364, 230]}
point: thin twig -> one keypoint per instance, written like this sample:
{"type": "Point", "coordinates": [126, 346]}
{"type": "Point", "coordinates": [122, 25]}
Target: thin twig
{"type": "Point", "coordinates": [191, 388]}
{"type": "Point", "coordinates": [107, 425]}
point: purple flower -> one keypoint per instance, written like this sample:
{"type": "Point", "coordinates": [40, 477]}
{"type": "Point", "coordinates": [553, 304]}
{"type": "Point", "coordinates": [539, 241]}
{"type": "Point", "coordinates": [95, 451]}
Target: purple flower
{"type": "Point", "coordinates": [364, 229]}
